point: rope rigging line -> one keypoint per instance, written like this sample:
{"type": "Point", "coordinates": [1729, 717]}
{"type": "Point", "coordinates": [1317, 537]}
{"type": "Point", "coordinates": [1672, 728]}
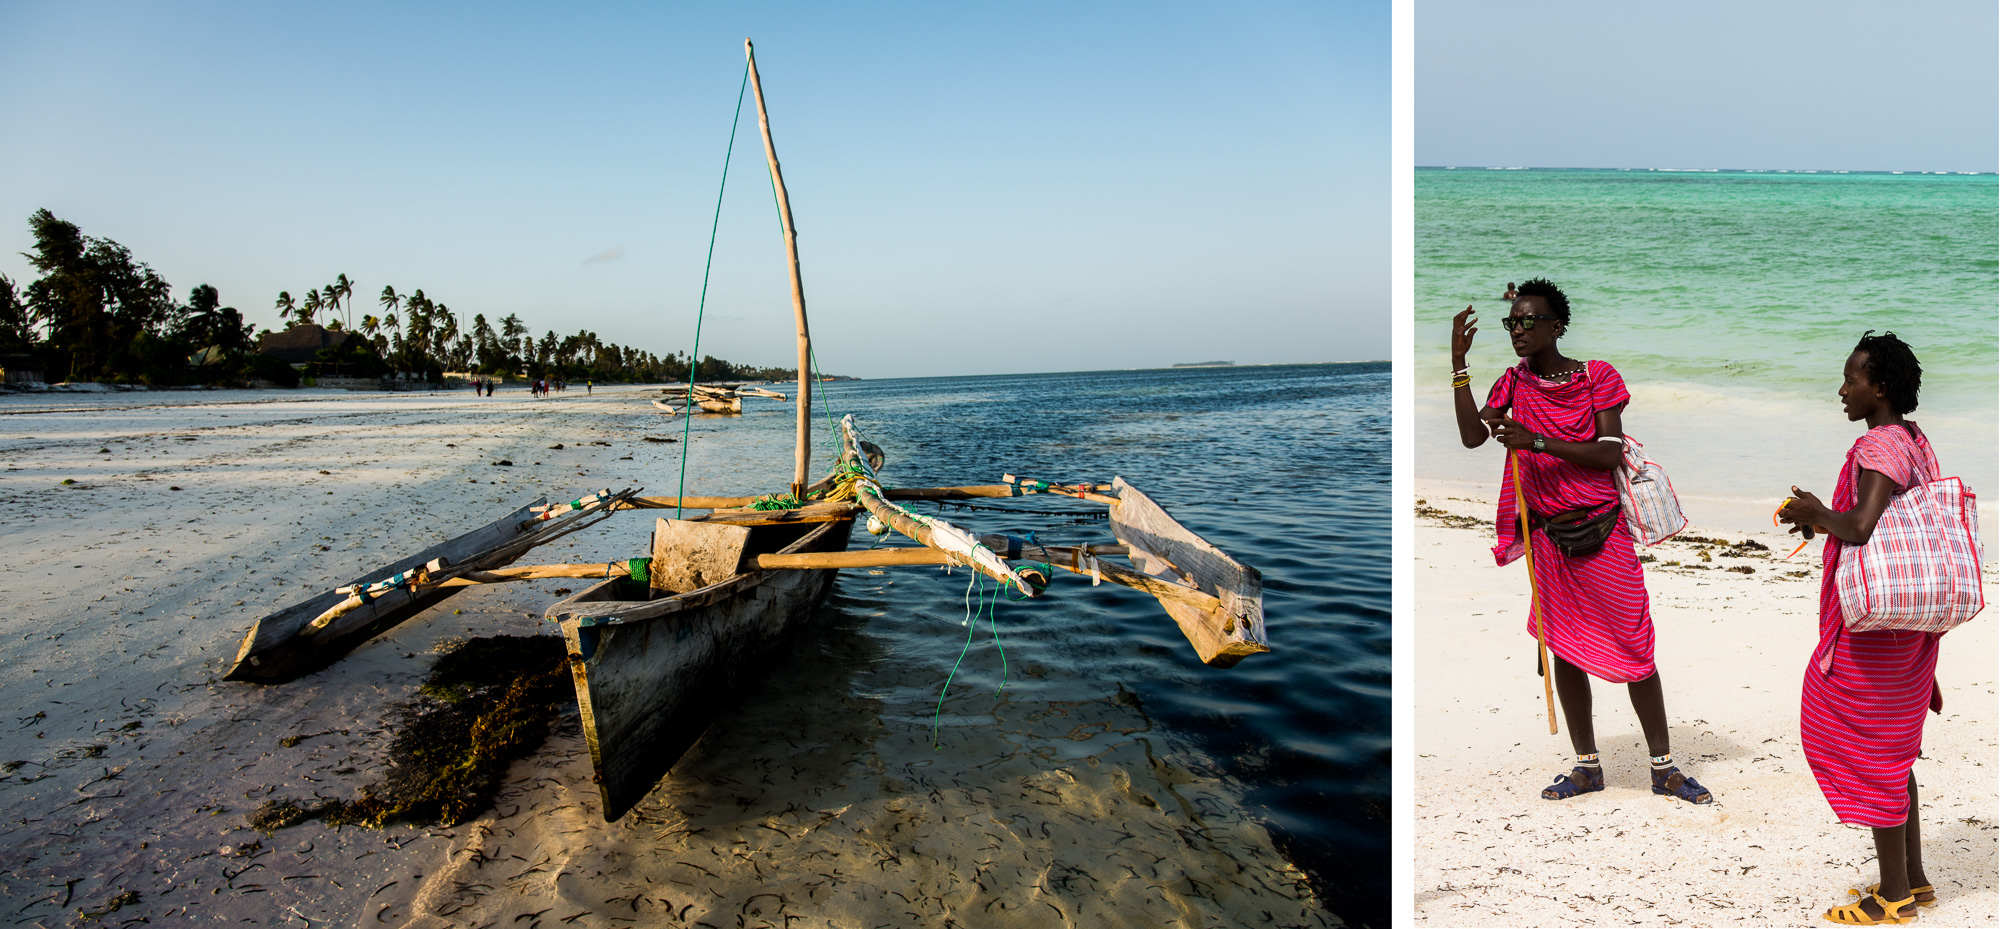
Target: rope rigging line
{"type": "Point", "coordinates": [972, 615]}
{"type": "Point", "coordinates": [694, 359]}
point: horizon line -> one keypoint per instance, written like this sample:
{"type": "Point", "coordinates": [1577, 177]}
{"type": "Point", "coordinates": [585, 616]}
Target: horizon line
{"type": "Point", "coordinates": [1663, 170]}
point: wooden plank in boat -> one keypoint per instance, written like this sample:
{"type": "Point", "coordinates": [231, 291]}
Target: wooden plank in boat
{"type": "Point", "coordinates": [688, 556]}
{"type": "Point", "coordinates": [1221, 636]}
{"type": "Point", "coordinates": [274, 652]}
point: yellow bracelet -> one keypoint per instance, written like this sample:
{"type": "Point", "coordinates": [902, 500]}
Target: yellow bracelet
{"type": "Point", "coordinates": [1463, 380]}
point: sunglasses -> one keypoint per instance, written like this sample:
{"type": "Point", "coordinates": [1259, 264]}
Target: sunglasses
{"type": "Point", "coordinates": [1524, 323]}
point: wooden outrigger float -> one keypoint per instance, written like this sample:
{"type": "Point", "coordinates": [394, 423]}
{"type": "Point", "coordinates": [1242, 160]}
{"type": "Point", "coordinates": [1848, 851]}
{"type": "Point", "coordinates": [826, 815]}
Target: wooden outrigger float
{"type": "Point", "coordinates": [661, 644]}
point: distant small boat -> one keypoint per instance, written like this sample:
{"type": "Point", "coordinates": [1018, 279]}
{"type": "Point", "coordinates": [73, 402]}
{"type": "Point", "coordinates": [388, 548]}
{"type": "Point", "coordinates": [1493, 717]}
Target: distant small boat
{"type": "Point", "coordinates": [714, 398]}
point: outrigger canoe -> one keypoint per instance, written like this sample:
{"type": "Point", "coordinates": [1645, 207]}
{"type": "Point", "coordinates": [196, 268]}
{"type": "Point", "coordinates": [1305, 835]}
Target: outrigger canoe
{"type": "Point", "coordinates": [659, 647]}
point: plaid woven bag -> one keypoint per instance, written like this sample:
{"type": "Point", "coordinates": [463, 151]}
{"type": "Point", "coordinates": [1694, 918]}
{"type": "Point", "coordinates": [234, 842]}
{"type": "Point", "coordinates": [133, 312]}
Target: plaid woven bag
{"type": "Point", "coordinates": [1920, 568]}
{"type": "Point", "coordinates": [1652, 512]}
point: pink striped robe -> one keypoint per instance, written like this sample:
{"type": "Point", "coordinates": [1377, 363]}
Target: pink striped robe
{"type": "Point", "coordinates": [1594, 608]}
{"type": "Point", "coordinates": [1861, 718]}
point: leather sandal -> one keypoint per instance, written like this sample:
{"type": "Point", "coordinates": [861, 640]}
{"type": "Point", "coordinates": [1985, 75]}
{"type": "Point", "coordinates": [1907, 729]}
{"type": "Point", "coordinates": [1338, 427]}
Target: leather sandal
{"type": "Point", "coordinates": [1853, 915]}
{"type": "Point", "coordinates": [1916, 893]}
{"type": "Point", "coordinates": [1579, 780]}
{"type": "Point", "coordinates": [1680, 786]}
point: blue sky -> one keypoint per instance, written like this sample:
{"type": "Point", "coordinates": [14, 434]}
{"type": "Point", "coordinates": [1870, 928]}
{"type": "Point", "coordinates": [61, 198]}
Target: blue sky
{"type": "Point", "coordinates": [1826, 84]}
{"type": "Point", "coordinates": [978, 189]}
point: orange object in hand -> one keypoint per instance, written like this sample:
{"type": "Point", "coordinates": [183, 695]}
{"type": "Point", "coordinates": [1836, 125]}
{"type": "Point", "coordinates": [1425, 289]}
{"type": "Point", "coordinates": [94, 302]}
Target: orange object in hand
{"type": "Point", "coordinates": [1806, 530]}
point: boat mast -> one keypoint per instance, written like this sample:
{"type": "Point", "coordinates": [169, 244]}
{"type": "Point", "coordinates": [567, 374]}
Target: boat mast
{"type": "Point", "coordinates": [803, 453]}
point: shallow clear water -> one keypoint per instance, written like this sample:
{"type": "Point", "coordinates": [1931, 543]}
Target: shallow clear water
{"type": "Point", "coordinates": [1284, 467]}
{"type": "Point", "coordinates": [1729, 301]}
{"type": "Point", "coordinates": [1738, 278]}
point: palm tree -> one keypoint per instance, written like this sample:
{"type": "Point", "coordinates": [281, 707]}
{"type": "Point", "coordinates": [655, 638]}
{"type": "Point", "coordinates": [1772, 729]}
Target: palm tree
{"type": "Point", "coordinates": [447, 332]}
{"type": "Point", "coordinates": [390, 301]}
{"type": "Point", "coordinates": [344, 290]}
{"type": "Point", "coordinates": [310, 307]}
{"type": "Point", "coordinates": [330, 299]}
{"type": "Point", "coordinates": [286, 306]}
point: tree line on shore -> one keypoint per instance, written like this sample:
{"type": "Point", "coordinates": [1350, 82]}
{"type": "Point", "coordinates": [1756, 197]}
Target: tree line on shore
{"type": "Point", "coordinates": [97, 314]}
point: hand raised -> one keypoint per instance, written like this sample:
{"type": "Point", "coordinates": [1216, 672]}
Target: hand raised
{"type": "Point", "coordinates": [1463, 327]}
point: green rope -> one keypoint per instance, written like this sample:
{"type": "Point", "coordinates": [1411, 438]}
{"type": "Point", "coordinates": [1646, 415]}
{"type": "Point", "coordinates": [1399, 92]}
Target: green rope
{"type": "Point", "coordinates": [990, 608]}
{"type": "Point", "coordinates": [694, 360]}
{"type": "Point", "coordinates": [832, 431]}
{"type": "Point", "coordinates": [993, 623]}
{"type": "Point", "coordinates": [971, 627]}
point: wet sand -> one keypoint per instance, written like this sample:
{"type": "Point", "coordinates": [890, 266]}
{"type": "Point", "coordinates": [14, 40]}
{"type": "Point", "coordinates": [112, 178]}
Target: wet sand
{"type": "Point", "coordinates": [136, 764]}
{"type": "Point", "coordinates": [1732, 649]}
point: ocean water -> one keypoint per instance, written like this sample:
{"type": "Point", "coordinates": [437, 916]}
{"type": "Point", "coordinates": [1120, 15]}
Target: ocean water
{"type": "Point", "coordinates": [1084, 767]}
{"type": "Point", "coordinates": [1284, 467]}
{"type": "Point", "coordinates": [1729, 301]}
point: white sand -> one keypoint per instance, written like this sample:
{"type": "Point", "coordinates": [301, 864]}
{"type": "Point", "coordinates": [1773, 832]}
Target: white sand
{"type": "Point", "coordinates": [1732, 650]}
{"type": "Point", "coordinates": [128, 597]}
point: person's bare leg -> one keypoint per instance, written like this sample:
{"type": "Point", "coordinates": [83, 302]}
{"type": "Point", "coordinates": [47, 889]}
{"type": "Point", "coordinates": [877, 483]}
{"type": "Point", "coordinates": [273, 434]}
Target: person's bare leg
{"type": "Point", "coordinates": [1651, 706]}
{"type": "Point", "coordinates": [1573, 692]}
{"type": "Point", "coordinates": [1913, 848]}
{"type": "Point", "coordinates": [1899, 859]}
{"type": "Point", "coordinates": [1649, 702]}
{"type": "Point", "coordinates": [1891, 853]}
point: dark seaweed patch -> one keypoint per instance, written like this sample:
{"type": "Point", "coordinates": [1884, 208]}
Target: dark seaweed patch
{"type": "Point", "coordinates": [486, 703]}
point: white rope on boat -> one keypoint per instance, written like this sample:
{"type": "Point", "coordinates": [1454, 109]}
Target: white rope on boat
{"type": "Point", "coordinates": [957, 544]}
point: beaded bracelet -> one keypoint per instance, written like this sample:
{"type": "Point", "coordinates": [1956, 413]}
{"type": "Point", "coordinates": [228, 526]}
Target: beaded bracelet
{"type": "Point", "coordinates": [1462, 380]}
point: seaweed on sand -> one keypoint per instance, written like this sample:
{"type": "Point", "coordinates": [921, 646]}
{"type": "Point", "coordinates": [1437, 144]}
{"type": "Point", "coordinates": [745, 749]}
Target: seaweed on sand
{"type": "Point", "coordinates": [486, 703]}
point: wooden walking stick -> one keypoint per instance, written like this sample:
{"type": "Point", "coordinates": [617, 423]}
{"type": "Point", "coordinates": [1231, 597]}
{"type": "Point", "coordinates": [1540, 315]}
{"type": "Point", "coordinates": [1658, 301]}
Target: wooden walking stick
{"type": "Point", "coordinates": [1534, 595]}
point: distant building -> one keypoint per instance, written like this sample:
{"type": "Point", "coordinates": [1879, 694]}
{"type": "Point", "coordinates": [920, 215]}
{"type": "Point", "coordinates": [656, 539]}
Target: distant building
{"type": "Point", "coordinates": [300, 344]}
{"type": "Point", "coordinates": [20, 369]}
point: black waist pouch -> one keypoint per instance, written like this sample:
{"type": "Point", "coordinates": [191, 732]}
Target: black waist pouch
{"type": "Point", "coordinates": [1575, 533]}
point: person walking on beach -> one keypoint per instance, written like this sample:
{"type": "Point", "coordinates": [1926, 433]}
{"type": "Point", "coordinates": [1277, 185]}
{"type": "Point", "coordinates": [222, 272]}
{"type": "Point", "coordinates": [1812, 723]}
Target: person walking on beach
{"type": "Point", "coordinates": [1861, 714]}
{"type": "Point", "coordinates": [1561, 420]}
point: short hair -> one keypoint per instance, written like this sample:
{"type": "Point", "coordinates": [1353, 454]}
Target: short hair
{"type": "Point", "coordinates": [1547, 290]}
{"type": "Point", "coordinates": [1893, 367]}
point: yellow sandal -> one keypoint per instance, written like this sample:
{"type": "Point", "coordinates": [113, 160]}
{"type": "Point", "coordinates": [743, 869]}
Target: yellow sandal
{"type": "Point", "coordinates": [1853, 915]}
{"type": "Point", "coordinates": [1915, 893]}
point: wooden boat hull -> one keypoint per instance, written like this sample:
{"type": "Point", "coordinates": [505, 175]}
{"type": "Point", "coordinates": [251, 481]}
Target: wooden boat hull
{"type": "Point", "coordinates": [274, 651]}
{"type": "Point", "coordinates": [732, 405]}
{"type": "Point", "coordinates": [653, 669]}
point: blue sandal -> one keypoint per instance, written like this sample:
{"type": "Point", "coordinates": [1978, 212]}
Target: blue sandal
{"type": "Point", "coordinates": [1580, 780]}
{"type": "Point", "coordinates": [1680, 786]}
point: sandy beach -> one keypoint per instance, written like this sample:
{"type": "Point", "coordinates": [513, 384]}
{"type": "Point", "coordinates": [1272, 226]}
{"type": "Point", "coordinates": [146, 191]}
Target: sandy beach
{"type": "Point", "coordinates": [1732, 647]}
{"type": "Point", "coordinates": [150, 529]}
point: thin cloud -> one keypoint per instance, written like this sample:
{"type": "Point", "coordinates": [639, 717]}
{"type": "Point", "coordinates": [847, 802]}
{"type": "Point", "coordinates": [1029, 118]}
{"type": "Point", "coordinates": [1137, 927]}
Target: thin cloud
{"type": "Point", "coordinates": [613, 253]}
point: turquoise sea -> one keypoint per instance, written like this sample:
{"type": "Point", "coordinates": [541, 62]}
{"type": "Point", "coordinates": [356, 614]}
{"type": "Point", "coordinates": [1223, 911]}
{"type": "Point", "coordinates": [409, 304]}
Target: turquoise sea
{"type": "Point", "coordinates": [1729, 300]}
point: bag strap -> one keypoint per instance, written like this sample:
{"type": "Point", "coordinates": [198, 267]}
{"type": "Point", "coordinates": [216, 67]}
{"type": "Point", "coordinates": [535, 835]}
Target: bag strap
{"type": "Point", "coordinates": [1920, 471]}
